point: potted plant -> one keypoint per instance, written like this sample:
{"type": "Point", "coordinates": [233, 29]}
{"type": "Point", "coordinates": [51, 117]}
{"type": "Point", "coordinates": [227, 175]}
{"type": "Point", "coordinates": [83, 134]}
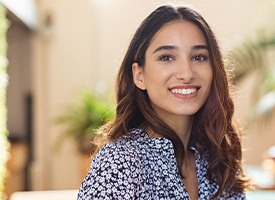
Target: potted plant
{"type": "Point", "coordinates": [83, 118]}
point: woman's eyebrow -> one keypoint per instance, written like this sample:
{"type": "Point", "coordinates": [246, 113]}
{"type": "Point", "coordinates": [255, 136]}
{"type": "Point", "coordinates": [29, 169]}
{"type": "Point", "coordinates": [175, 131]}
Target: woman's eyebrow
{"type": "Point", "coordinates": [166, 47]}
{"type": "Point", "coordinates": [173, 47]}
{"type": "Point", "coordinates": [199, 47]}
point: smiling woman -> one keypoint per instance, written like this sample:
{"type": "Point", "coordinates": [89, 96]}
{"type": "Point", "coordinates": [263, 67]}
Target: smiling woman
{"type": "Point", "coordinates": [179, 54]}
{"type": "Point", "coordinates": [172, 137]}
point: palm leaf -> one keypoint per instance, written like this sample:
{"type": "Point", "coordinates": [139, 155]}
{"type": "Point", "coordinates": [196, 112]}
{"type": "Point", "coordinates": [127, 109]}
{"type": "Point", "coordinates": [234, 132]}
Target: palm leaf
{"type": "Point", "coordinates": [255, 56]}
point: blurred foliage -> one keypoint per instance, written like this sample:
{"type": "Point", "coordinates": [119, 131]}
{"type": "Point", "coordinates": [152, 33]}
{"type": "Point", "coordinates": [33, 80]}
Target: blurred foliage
{"type": "Point", "coordinates": [4, 24]}
{"type": "Point", "coordinates": [257, 56]}
{"type": "Point", "coordinates": [83, 118]}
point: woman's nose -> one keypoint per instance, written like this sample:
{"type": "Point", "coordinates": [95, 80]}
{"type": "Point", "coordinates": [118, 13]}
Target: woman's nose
{"type": "Point", "coordinates": [185, 72]}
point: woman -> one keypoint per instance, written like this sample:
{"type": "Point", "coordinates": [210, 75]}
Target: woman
{"type": "Point", "coordinates": [172, 137]}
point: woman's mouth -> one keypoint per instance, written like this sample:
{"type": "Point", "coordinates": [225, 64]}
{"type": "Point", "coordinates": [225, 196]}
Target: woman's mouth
{"type": "Point", "coordinates": [184, 91]}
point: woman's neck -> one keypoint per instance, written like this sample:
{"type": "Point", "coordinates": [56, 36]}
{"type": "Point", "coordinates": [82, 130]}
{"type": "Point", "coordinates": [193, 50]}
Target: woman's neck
{"type": "Point", "coordinates": [183, 129]}
{"type": "Point", "coordinates": [182, 126]}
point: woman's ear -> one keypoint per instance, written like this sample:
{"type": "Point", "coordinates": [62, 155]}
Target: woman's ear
{"type": "Point", "coordinates": [138, 78]}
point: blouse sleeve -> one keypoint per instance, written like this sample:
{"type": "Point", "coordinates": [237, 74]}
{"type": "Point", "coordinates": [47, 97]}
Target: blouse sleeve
{"type": "Point", "coordinates": [234, 196]}
{"type": "Point", "coordinates": [114, 174]}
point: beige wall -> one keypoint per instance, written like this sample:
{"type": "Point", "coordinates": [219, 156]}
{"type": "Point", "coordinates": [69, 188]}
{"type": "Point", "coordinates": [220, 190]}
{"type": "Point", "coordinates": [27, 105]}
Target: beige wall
{"type": "Point", "coordinates": [84, 46]}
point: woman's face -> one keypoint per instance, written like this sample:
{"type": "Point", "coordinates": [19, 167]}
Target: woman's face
{"type": "Point", "coordinates": [177, 73]}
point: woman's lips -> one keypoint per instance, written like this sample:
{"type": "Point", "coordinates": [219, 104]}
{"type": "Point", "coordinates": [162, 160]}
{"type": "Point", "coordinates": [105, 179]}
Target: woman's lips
{"type": "Point", "coordinates": [184, 91]}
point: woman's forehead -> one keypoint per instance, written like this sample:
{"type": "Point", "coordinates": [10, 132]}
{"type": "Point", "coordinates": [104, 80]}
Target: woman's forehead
{"type": "Point", "coordinates": [180, 33]}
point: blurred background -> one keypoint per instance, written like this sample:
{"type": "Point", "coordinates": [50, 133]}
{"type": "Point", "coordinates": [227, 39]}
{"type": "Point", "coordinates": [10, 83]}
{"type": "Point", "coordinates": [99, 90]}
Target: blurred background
{"type": "Point", "coordinates": [64, 54]}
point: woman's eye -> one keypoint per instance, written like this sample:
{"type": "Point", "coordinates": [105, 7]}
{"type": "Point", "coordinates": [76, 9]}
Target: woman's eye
{"type": "Point", "coordinates": [166, 58]}
{"type": "Point", "coordinates": [200, 57]}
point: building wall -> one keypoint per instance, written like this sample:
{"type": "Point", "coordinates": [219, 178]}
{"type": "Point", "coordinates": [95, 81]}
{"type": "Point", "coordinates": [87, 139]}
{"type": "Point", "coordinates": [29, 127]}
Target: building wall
{"type": "Point", "coordinates": [79, 44]}
{"type": "Point", "coordinates": [19, 71]}
{"type": "Point", "coordinates": [18, 103]}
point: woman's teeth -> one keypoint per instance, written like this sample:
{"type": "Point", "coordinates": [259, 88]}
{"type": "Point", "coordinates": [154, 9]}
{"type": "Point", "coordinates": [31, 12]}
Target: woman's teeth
{"type": "Point", "coordinates": [184, 91]}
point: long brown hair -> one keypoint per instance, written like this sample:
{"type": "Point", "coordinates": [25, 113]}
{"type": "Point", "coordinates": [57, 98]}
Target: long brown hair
{"type": "Point", "coordinates": [212, 130]}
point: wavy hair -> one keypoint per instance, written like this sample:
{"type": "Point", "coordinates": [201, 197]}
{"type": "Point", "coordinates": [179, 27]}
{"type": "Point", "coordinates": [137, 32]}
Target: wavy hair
{"type": "Point", "coordinates": [212, 129]}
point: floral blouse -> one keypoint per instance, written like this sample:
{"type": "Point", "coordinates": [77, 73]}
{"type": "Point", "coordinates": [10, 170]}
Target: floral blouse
{"type": "Point", "coordinates": [139, 167]}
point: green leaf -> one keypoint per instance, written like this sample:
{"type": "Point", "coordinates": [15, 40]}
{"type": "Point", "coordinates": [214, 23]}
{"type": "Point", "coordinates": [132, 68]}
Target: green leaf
{"type": "Point", "coordinates": [83, 118]}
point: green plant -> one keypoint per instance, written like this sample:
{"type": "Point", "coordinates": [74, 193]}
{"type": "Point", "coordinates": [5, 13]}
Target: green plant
{"type": "Point", "coordinates": [257, 56]}
{"type": "Point", "coordinates": [83, 118]}
{"type": "Point", "coordinates": [3, 110]}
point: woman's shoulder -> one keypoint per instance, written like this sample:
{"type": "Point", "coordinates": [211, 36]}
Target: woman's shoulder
{"type": "Point", "coordinates": [130, 141]}
{"type": "Point", "coordinates": [127, 147]}
{"type": "Point", "coordinates": [115, 170]}
{"type": "Point", "coordinates": [133, 149]}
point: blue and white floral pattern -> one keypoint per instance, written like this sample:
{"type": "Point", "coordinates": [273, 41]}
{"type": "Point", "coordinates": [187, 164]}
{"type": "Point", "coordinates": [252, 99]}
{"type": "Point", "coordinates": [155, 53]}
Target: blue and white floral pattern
{"type": "Point", "coordinates": [139, 167]}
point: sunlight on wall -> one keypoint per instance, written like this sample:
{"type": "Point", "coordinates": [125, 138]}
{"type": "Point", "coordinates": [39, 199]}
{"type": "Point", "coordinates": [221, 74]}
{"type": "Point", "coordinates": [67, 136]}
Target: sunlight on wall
{"type": "Point", "coordinates": [25, 10]}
